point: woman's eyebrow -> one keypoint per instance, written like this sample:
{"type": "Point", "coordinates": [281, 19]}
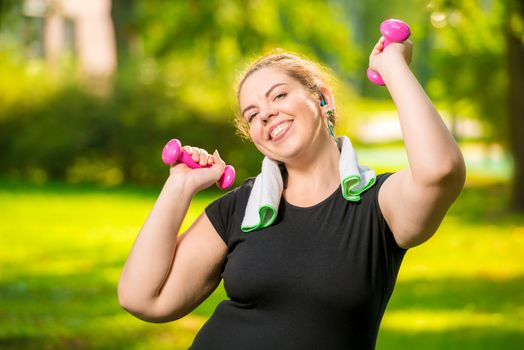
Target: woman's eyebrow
{"type": "Point", "coordinates": [266, 94]}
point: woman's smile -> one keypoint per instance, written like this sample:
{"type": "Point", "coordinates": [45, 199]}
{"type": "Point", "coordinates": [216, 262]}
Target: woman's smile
{"type": "Point", "coordinates": [280, 130]}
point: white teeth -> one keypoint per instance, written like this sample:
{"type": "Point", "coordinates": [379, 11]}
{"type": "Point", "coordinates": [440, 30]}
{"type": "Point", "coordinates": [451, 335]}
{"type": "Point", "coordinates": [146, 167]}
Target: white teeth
{"type": "Point", "coordinates": [279, 129]}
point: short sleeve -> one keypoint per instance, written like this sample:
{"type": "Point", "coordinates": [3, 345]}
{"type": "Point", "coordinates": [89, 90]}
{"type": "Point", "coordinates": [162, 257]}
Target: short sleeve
{"type": "Point", "coordinates": [220, 213]}
{"type": "Point", "coordinates": [224, 211]}
{"type": "Point", "coordinates": [385, 231]}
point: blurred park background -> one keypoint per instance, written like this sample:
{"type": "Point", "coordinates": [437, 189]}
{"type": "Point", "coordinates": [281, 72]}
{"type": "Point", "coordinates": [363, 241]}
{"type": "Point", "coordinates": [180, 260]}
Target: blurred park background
{"type": "Point", "coordinates": [90, 91]}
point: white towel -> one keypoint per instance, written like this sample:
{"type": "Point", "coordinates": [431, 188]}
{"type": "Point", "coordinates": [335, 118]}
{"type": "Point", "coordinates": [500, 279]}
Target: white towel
{"type": "Point", "coordinates": [263, 203]}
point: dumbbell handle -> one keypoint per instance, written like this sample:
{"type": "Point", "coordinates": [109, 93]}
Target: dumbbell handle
{"type": "Point", "coordinates": [393, 31]}
{"type": "Point", "coordinates": [174, 153]}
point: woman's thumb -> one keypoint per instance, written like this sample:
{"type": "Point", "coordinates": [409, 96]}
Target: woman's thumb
{"type": "Point", "coordinates": [216, 155]}
{"type": "Point", "coordinates": [216, 158]}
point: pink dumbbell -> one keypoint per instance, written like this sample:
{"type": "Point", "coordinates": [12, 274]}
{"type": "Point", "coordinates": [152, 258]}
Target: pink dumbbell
{"type": "Point", "coordinates": [174, 153]}
{"type": "Point", "coordinates": [394, 31]}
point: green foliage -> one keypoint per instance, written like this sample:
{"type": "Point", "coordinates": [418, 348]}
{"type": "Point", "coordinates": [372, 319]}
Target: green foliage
{"type": "Point", "coordinates": [178, 63]}
{"type": "Point", "coordinates": [469, 55]}
{"type": "Point", "coordinates": [52, 130]}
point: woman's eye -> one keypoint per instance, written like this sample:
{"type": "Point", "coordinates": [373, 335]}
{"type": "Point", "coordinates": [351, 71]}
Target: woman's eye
{"type": "Point", "coordinates": [251, 116]}
{"type": "Point", "coordinates": [282, 95]}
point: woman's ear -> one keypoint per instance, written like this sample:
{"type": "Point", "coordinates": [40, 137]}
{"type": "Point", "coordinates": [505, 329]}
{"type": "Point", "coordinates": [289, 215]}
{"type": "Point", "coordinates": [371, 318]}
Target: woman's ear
{"type": "Point", "coordinates": [326, 98]}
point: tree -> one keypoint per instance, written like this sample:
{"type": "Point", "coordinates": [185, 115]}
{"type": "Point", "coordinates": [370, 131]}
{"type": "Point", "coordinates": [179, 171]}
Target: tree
{"type": "Point", "coordinates": [514, 33]}
{"type": "Point", "coordinates": [479, 55]}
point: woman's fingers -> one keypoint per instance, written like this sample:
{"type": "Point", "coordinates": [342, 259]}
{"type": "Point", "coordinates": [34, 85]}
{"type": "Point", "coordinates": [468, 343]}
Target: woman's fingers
{"type": "Point", "coordinates": [199, 155]}
{"type": "Point", "coordinates": [379, 46]}
{"type": "Point", "coordinates": [206, 158]}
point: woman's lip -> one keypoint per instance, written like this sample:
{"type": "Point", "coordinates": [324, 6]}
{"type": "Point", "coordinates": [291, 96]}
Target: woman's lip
{"type": "Point", "coordinates": [277, 125]}
{"type": "Point", "coordinates": [283, 133]}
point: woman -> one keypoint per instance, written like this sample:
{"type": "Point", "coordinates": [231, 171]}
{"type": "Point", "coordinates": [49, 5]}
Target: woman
{"type": "Point", "coordinates": [320, 272]}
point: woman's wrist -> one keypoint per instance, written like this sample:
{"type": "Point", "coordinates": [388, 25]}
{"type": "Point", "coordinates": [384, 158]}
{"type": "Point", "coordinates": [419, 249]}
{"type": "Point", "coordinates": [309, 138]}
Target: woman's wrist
{"type": "Point", "coordinates": [180, 184]}
{"type": "Point", "coordinates": [392, 66]}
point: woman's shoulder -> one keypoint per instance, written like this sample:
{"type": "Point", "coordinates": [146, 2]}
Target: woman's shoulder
{"type": "Point", "coordinates": [371, 193]}
{"type": "Point", "coordinates": [239, 192]}
{"type": "Point", "coordinates": [246, 186]}
{"type": "Point", "coordinates": [248, 182]}
{"type": "Point", "coordinates": [382, 177]}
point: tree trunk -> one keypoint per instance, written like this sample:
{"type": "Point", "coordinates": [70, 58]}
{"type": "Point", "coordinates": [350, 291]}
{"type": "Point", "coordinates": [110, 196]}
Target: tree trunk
{"type": "Point", "coordinates": [515, 48]}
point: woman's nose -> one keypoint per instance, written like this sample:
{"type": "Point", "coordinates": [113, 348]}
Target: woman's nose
{"type": "Point", "coordinates": [268, 113]}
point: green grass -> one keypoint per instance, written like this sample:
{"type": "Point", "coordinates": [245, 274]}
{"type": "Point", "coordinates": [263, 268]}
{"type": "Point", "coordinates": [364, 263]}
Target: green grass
{"type": "Point", "coordinates": [62, 249]}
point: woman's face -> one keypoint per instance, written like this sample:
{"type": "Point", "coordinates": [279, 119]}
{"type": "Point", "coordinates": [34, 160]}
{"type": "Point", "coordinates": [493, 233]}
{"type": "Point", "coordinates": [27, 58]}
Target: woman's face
{"type": "Point", "coordinates": [283, 115]}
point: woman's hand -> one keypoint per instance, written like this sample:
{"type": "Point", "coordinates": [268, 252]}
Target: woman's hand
{"type": "Point", "coordinates": [381, 58]}
{"type": "Point", "coordinates": [198, 179]}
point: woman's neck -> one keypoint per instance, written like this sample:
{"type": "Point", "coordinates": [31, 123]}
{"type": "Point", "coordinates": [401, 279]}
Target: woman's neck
{"type": "Point", "coordinates": [316, 175]}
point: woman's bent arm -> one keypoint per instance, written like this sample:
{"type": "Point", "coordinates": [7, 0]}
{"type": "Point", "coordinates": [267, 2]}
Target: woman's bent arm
{"type": "Point", "coordinates": [149, 262]}
{"type": "Point", "coordinates": [415, 200]}
{"type": "Point", "coordinates": [166, 275]}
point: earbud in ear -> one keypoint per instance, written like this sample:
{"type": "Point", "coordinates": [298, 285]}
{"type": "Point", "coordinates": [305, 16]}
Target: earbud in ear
{"type": "Point", "coordinates": [322, 101]}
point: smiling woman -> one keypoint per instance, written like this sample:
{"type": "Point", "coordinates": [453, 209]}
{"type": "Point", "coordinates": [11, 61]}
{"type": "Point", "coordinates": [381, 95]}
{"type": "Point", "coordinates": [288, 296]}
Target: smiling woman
{"type": "Point", "coordinates": [285, 95]}
{"type": "Point", "coordinates": [310, 75]}
{"type": "Point", "coordinates": [309, 250]}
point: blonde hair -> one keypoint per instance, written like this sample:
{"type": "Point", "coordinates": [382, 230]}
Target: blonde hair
{"type": "Point", "coordinates": [311, 75]}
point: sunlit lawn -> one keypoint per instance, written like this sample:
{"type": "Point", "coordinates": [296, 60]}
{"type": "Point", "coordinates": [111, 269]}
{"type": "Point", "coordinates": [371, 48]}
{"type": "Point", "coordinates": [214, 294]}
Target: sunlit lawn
{"type": "Point", "coordinates": [62, 249]}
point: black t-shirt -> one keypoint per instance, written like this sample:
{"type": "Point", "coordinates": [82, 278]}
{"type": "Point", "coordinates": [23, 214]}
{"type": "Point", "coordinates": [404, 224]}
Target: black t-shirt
{"type": "Point", "coordinates": [319, 277]}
